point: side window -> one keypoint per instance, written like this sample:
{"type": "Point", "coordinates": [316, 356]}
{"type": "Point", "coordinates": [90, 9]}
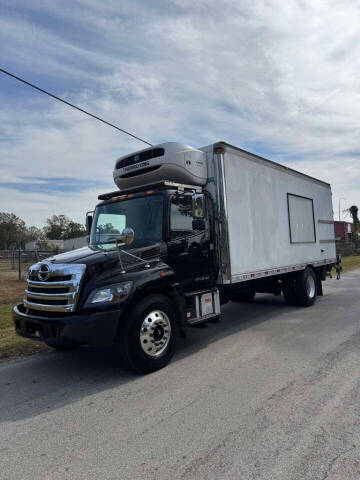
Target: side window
{"type": "Point", "coordinates": [111, 223]}
{"type": "Point", "coordinates": [181, 217]}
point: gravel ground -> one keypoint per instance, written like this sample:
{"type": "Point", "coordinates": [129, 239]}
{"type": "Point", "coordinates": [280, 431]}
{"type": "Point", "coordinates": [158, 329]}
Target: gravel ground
{"type": "Point", "coordinates": [271, 392]}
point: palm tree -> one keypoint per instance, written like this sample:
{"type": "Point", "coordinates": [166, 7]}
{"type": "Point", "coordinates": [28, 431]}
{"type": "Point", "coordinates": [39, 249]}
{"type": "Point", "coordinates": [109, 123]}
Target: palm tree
{"type": "Point", "coordinates": [353, 210]}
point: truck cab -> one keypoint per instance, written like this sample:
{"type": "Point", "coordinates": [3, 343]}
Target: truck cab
{"type": "Point", "coordinates": [149, 271]}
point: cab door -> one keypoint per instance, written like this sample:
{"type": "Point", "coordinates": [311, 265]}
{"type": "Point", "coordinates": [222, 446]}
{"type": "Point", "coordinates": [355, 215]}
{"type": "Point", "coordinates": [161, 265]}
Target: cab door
{"type": "Point", "coordinates": [190, 246]}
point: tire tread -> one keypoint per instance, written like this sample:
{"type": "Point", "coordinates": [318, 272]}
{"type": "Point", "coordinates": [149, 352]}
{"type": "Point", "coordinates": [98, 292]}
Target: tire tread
{"type": "Point", "coordinates": [129, 352]}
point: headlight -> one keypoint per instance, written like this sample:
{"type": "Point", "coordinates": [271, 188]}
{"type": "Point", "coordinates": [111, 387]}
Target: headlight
{"type": "Point", "coordinates": [115, 293]}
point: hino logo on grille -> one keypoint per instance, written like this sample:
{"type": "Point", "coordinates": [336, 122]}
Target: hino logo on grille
{"type": "Point", "coordinates": [44, 272]}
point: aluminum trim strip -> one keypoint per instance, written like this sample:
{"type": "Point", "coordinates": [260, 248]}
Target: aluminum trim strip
{"type": "Point", "coordinates": [200, 292]}
{"type": "Point", "coordinates": [202, 319]}
{"type": "Point", "coordinates": [279, 270]}
{"type": "Point", "coordinates": [223, 235]}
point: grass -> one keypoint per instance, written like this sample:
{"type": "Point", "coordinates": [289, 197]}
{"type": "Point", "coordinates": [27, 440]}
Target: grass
{"type": "Point", "coordinates": [12, 292]}
{"type": "Point", "coordinates": [11, 344]}
{"type": "Point", "coordinates": [350, 263]}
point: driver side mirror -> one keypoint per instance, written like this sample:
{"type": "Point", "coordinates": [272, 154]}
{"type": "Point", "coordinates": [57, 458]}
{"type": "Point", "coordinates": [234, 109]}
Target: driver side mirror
{"type": "Point", "coordinates": [89, 220]}
{"type": "Point", "coordinates": [127, 236]}
{"type": "Point", "coordinates": [198, 205]}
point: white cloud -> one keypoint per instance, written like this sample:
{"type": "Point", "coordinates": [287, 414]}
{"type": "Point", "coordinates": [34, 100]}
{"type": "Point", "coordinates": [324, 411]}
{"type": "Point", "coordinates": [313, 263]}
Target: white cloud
{"type": "Point", "coordinates": [279, 78]}
{"type": "Point", "coordinates": [32, 207]}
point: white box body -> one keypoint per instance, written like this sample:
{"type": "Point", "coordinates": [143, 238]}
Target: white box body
{"type": "Point", "coordinates": [277, 219]}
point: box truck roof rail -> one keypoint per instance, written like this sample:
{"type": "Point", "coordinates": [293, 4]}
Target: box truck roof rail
{"type": "Point", "coordinates": [168, 184]}
{"type": "Point", "coordinates": [228, 147]}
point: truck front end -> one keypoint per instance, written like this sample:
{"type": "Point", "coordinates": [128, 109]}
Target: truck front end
{"type": "Point", "coordinates": [149, 270]}
{"type": "Point", "coordinates": [78, 297]}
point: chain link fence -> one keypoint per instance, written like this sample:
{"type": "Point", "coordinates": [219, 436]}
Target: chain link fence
{"type": "Point", "coordinates": [20, 260]}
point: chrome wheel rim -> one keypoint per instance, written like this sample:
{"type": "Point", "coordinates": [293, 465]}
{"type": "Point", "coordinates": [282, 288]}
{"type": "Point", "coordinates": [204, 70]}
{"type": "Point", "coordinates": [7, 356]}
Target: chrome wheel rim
{"type": "Point", "coordinates": [310, 286]}
{"type": "Point", "coordinates": [155, 333]}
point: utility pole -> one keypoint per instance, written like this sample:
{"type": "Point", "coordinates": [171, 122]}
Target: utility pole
{"type": "Point", "coordinates": [19, 256]}
{"type": "Point", "coordinates": [341, 198]}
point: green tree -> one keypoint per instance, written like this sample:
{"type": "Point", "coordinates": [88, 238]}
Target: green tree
{"type": "Point", "coordinates": [60, 227]}
{"type": "Point", "coordinates": [107, 228]}
{"type": "Point", "coordinates": [353, 210]}
{"type": "Point", "coordinates": [12, 231]}
{"type": "Point", "coordinates": [74, 230]}
{"type": "Point", "coordinates": [55, 226]}
{"type": "Point", "coordinates": [33, 234]}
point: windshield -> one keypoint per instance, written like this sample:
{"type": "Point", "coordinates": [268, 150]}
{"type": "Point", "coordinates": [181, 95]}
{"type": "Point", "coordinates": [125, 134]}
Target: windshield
{"type": "Point", "coordinates": [144, 215]}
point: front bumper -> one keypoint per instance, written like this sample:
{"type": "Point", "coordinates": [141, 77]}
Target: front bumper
{"type": "Point", "coordinates": [97, 328]}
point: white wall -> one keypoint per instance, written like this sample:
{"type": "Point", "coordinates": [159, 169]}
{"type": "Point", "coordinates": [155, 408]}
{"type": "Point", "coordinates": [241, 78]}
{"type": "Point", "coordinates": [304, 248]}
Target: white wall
{"type": "Point", "coordinates": [70, 244]}
{"type": "Point", "coordinates": [74, 243]}
{"type": "Point", "coordinates": [53, 244]}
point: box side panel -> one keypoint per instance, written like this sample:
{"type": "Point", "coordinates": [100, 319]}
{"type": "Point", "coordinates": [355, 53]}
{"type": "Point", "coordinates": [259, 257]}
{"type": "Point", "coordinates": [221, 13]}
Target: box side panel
{"type": "Point", "coordinates": [258, 216]}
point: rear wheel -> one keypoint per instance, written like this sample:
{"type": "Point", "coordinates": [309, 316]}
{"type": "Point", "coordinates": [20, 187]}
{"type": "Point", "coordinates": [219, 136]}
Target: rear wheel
{"type": "Point", "coordinates": [147, 338]}
{"type": "Point", "coordinates": [302, 289]}
{"type": "Point", "coordinates": [306, 287]}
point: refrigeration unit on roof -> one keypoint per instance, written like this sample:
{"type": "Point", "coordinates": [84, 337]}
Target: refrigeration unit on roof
{"type": "Point", "coordinates": [168, 161]}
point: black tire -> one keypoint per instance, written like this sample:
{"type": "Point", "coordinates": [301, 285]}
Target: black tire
{"type": "Point", "coordinates": [129, 344]}
{"type": "Point", "coordinates": [63, 348]}
{"type": "Point", "coordinates": [242, 296]}
{"type": "Point", "coordinates": [289, 293]}
{"type": "Point", "coordinates": [306, 287]}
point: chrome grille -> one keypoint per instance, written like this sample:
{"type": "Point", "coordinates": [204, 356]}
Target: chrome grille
{"type": "Point", "coordinates": [59, 291]}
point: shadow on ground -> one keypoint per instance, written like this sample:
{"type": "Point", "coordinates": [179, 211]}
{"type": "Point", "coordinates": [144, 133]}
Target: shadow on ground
{"type": "Point", "coordinates": [48, 381]}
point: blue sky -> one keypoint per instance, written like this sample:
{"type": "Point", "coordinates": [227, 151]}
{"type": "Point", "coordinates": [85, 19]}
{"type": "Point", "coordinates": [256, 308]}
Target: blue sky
{"type": "Point", "coordinates": [277, 78]}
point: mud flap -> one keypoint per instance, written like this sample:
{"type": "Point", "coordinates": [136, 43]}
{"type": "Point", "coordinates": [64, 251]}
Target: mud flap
{"type": "Point", "coordinates": [319, 283]}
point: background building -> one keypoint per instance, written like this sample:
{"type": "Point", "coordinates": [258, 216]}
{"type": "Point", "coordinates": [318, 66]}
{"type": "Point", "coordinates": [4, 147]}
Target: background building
{"type": "Point", "coordinates": [343, 230]}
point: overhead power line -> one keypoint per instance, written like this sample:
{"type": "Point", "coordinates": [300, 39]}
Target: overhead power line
{"type": "Point", "coordinates": [73, 106]}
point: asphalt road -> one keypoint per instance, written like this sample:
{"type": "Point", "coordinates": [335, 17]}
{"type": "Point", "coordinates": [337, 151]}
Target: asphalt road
{"type": "Point", "coordinates": [271, 392]}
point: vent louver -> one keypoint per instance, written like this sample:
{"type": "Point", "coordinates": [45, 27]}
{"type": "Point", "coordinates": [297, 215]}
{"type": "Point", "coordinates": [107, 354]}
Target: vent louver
{"type": "Point", "coordinates": [140, 157]}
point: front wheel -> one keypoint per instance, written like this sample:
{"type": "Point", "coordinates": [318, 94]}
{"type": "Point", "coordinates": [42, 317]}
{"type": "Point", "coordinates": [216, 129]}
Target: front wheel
{"type": "Point", "coordinates": [147, 338]}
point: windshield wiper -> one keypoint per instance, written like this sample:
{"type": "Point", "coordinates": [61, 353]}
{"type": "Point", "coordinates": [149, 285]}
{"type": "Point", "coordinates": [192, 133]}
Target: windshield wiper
{"type": "Point", "coordinates": [104, 243]}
